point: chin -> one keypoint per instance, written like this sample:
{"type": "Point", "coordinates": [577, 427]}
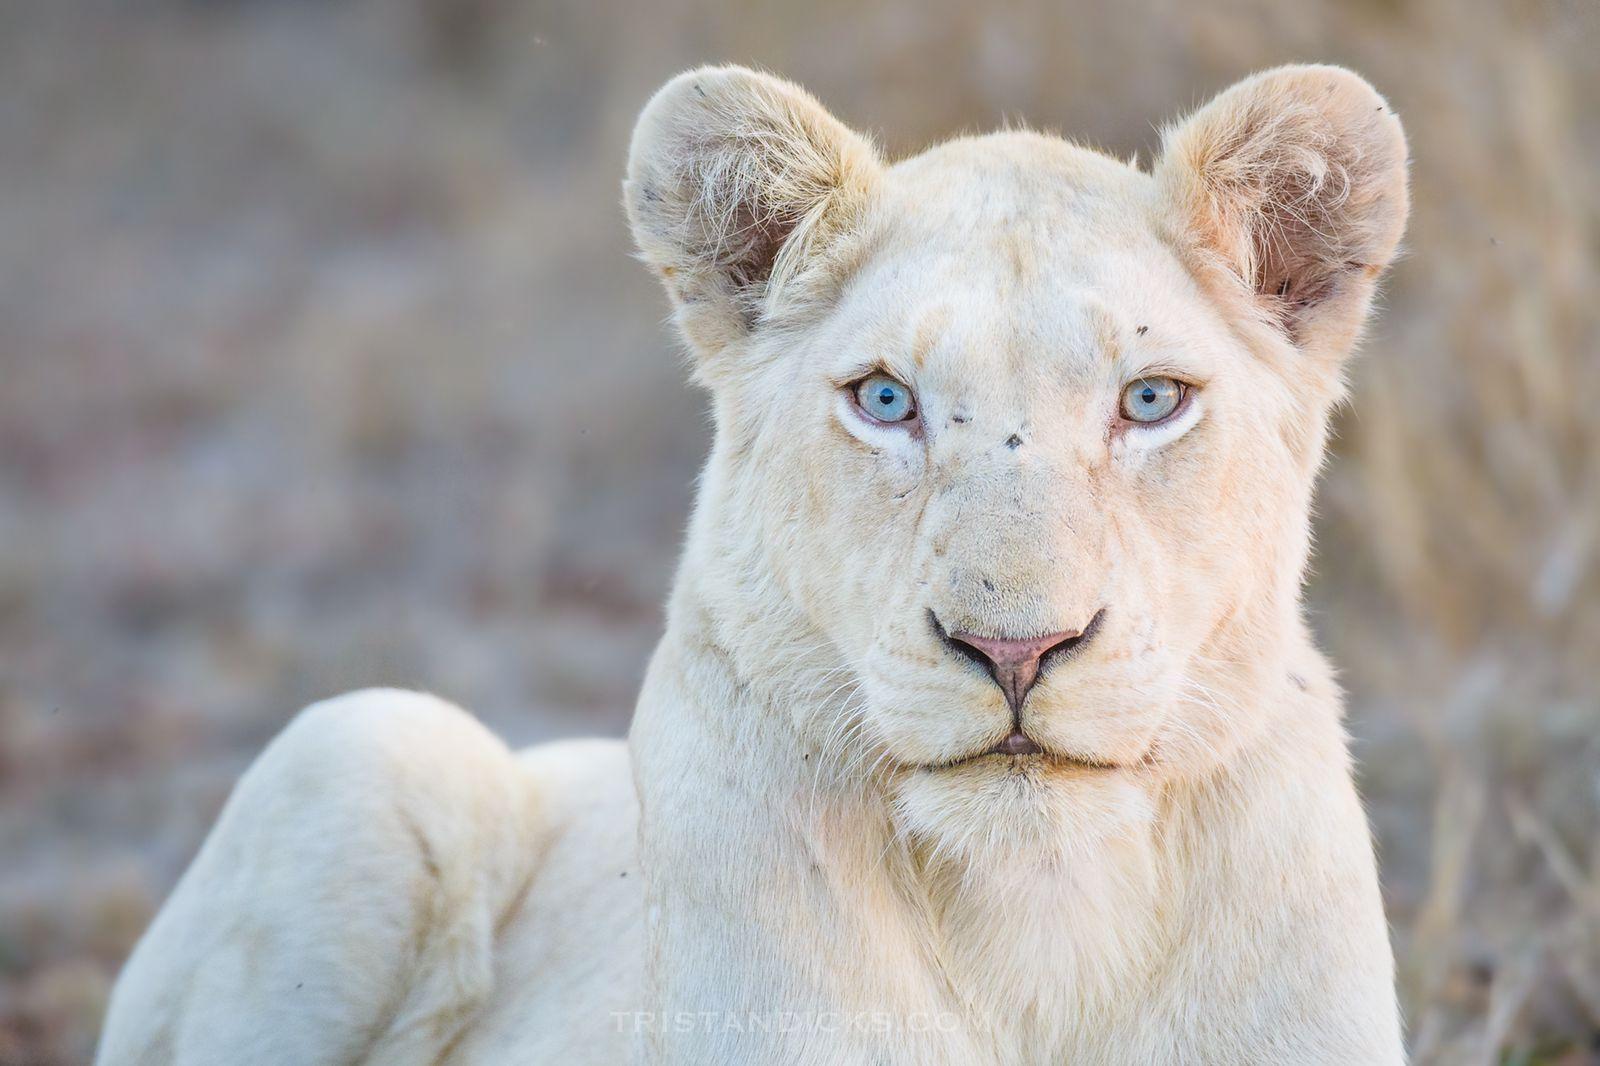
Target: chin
{"type": "Point", "coordinates": [1033, 811]}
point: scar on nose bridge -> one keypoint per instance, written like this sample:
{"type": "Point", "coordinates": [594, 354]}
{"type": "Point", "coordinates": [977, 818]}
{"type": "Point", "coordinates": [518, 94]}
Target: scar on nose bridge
{"type": "Point", "coordinates": [1013, 442]}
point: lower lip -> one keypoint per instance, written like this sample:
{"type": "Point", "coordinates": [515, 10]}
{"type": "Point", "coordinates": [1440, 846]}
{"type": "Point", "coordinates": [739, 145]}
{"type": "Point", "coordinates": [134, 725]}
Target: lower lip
{"type": "Point", "coordinates": [1016, 744]}
{"type": "Point", "coordinates": [1049, 759]}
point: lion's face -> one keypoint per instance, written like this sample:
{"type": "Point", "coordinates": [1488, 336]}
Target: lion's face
{"type": "Point", "coordinates": [1025, 457]}
{"type": "Point", "coordinates": [1009, 491]}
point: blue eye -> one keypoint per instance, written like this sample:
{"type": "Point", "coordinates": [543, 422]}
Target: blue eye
{"type": "Point", "coordinates": [1151, 399]}
{"type": "Point", "coordinates": [885, 399]}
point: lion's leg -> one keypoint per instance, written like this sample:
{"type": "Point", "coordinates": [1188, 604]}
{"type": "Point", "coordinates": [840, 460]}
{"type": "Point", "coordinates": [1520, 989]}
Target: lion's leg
{"type": "Point", "coordinates": [344, 907]}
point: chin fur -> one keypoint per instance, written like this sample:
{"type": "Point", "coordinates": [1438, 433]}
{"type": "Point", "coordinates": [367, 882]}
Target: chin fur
{"type": "Point", "coordinates": [1045, 881]}
{"type": "Point", "coordinates": [1023, 812]}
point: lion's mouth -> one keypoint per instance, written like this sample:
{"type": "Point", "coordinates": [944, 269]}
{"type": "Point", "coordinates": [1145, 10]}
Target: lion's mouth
{"type": "Point", "coordinates": [1017, 743]}
{"type": "Point", "coordinates": [1023, 749]}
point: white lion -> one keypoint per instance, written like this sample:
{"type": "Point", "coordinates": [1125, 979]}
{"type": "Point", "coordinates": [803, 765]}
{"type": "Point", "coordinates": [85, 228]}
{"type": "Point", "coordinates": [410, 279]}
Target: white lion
{"type": "Point", "coordinates": [985, 727]}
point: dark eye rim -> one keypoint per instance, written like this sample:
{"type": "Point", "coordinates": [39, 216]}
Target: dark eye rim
{"type": "Point", "coordinates": [1186, 391]}
{"type": "Point", "coordinates": [853, 390]}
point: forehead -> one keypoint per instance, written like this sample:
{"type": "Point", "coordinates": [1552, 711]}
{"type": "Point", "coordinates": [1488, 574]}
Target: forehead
{"type": "Point", "coordinates": [999, 248]}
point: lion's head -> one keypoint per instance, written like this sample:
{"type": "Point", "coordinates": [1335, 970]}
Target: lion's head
{"type": "Point", "coordinates": [1015, 441]}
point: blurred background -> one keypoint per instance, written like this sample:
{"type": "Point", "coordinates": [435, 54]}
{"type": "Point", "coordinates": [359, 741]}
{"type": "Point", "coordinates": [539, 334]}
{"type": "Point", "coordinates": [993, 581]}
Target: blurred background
{"type": "Point", "coordinates": [323, 363]}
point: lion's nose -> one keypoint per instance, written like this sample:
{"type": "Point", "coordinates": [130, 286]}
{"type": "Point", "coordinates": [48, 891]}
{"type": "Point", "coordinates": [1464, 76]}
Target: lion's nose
{"type": "Point", "coordinates": [1015, 662]}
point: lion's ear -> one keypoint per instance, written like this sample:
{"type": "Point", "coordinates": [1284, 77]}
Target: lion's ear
{"type": "Point", "coordinates": [739, 186]}
{"type": "Point", "coordinates": [1295, 180]}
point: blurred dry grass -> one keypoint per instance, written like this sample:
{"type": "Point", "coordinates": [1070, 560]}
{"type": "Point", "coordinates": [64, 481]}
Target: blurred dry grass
{"type": "Point", "coordinates": [322, 363]}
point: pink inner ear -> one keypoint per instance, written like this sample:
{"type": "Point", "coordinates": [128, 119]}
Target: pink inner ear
{"type": "Point", "coordinates": [1304, 238]}
{"type": "Point", "coordinates": [756, 237]}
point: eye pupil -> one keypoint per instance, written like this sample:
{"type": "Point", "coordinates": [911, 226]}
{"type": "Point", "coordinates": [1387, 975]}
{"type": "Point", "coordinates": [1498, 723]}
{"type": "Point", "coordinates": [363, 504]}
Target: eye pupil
{"type": "Point", "coordinates": [886, 396]}
{"type": "Point", "coordinates": [1148, 395]}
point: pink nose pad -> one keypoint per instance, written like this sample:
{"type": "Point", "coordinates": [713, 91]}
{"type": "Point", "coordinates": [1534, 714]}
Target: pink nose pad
{"type": "Point", "coordinates": [1014, 662]}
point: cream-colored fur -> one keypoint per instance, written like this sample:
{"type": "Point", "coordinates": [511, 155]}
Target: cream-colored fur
{"type": "Point", "coordinates": [827, 868]}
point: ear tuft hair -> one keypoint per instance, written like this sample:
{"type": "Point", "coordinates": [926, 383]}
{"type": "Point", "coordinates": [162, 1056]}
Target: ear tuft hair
{"type": "Point", "coordinates": [1295, 180]}
{"type": "Point", "coordinates": [738, 184]}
